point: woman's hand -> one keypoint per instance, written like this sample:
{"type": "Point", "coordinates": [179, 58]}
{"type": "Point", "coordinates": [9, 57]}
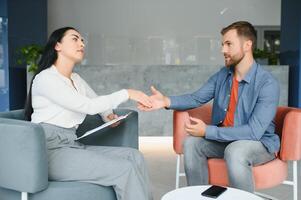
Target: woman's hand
{"type": "Point", "coordinates": [111, 117]}
{"type": "Point", "coordinates": [158, 101]}
{"type": "Point", "coordinates": [140, 97]}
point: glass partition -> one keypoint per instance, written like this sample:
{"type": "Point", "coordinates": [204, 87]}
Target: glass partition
{"type": "Point", "coordinates": [4, 87]}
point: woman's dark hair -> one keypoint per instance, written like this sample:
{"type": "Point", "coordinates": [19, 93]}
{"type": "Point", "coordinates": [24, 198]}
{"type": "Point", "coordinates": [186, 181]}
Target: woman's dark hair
{"type": "Point", "coordinates": [48, 58]}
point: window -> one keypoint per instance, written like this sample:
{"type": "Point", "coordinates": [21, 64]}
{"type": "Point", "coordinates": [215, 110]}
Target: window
{"type": "Point", "coordinates": [268, 40]}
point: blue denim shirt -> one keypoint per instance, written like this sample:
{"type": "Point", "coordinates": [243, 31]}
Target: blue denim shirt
{"type": "Point", "coordinates": [258, 97]}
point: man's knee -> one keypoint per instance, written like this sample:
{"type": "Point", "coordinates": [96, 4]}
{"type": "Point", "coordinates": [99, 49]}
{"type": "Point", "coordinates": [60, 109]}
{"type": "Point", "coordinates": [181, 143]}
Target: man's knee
{"type": "Point", "coordinates": [189, 143]}
{"type": "Point", "coordinates": [192, 144]}
{"type": "Point", "coordinates": [236, 152]}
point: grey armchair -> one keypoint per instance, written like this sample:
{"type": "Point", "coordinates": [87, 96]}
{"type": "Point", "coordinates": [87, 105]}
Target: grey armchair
{"type": "Point", "coordinates": [24, 163]}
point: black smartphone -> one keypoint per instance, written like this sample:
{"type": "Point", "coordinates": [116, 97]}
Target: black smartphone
{"type": "Point", "coordinates": [214, 191]}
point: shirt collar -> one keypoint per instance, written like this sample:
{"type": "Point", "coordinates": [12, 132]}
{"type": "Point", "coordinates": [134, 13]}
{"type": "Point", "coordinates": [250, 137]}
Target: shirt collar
{"type": "Point", "coordinates": [230, 70]}
{"type": "Point", "coordinates": [54, 69]}
{"type": "Point", "coordinates": [250, 74]}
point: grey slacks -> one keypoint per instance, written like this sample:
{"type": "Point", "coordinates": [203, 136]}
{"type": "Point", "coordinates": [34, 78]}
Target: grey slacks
{"type": "Point", "coordinates": [240, 157]}
{"type": "Point", "coordinates": [121, 167]}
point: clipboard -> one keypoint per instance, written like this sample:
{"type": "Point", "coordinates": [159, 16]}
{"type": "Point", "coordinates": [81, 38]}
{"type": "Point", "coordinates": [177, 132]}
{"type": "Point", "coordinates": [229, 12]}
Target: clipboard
{"type": "Point", "coordinates": [103, 126]}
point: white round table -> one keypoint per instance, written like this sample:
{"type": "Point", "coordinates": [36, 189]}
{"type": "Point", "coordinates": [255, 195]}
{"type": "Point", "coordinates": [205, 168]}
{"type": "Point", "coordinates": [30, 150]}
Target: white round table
{"type": "Point", "coordinates": [194, 193]}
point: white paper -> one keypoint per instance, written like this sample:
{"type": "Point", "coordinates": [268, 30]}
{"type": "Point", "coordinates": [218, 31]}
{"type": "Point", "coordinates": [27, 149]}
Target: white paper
{"type": "Point", "coordinates": [104, 125]}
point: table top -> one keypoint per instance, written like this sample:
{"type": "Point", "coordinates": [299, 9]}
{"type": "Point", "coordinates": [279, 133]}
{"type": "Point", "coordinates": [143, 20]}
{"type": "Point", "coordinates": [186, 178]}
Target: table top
{"type": "Point", "coordinates": [194, 193]}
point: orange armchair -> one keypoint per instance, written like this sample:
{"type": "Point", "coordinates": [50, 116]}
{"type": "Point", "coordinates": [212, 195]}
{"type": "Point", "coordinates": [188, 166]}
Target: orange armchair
{"type": "Point", "coordinates": [288, 127]}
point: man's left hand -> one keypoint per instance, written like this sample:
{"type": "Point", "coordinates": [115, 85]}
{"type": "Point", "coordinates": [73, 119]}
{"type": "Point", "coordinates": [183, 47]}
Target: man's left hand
{"type": "Point", "coordinates": [197, 128]}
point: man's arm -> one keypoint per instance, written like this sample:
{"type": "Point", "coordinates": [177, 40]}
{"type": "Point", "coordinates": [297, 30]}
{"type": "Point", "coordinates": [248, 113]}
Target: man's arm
{"type": "Point", "coordinates": [183, 102]}
{"type": "Point", "coordinates": [197, 98]}
{"type": "Point", "coordinates": [263, 113]}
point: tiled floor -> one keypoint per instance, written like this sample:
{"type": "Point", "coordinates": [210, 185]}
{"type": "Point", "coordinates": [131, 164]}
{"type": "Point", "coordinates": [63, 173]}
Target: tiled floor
{"type": "Point", "coordinates": [161, 161]}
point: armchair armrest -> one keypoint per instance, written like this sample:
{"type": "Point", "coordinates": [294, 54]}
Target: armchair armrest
{"type": "Point", "coordinates": [181, 117]}
{"type": "Point", "coordinates": [179, 133]}
{"type": "Point", "coordinates": [125, 134]}
{"type": "Point", "coordinates": [291, 136]}
{"type": "Point", "coordinates": [14, 114]}
{"type": "Point", "coordinates": [23, 156]}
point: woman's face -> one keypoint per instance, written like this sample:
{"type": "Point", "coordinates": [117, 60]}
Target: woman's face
{"type": "Point", "coordinates": [71, 47]}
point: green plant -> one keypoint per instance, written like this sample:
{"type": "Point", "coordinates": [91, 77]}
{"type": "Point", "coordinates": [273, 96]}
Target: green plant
{"type": "Point", "coordinates": [30, 55]}
{"type": "Point", "coordinates": [264, 54]}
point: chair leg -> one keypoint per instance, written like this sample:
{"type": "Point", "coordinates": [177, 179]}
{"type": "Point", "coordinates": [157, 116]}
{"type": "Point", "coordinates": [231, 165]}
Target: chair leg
{"type": "Point", "coordinates": [295, 180]}
{"type": "Point", "coordinates": [24, 196]}
{"type": "Point", "coordinates": [178, 170]}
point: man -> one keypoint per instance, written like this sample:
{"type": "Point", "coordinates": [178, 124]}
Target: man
{"type": "Point", "coordinates": [245, 101]}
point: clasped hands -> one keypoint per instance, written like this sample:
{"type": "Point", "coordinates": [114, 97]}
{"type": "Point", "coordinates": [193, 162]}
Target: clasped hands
{"type": "Point", "coordinates": [157, 100]}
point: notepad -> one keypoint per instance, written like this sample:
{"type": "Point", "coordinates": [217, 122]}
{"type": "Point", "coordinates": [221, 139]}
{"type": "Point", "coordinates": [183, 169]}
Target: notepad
{"type": "Point", "coordinates": [104, 125]}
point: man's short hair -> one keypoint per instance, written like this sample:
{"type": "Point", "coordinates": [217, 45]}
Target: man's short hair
{"type": "Point", "coordinates": [243, 29]}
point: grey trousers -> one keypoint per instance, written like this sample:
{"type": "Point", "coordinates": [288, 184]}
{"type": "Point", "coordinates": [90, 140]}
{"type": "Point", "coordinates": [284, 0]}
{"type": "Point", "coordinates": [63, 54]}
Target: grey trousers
{"type": "Point", "coordinates": [239, 155]}
{"type": "Point", "coordinates": [121, 167]}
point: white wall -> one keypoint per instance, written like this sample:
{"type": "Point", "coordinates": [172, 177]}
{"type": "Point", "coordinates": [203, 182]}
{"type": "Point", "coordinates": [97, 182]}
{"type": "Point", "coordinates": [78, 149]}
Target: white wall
{"type": "Point", "coordinates": [157, 31]}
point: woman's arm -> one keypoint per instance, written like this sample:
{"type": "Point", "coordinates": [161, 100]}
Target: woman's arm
{"type": "Point", "coordinates": [59, 92]}
{"type": "Point", "coordinates": [106, 115]}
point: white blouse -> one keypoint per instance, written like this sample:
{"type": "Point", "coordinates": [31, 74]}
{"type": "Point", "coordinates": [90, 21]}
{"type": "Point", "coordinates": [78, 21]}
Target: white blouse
{"type": "Point", "coordinates": [56, 101]}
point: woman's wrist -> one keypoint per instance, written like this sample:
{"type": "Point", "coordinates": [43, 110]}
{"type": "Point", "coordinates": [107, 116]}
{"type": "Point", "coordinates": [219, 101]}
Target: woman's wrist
{"type": "Point", "coordinates": [130, 93]}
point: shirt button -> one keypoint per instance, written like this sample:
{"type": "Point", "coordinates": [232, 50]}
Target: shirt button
{"type": "Point", "coordinates": [225, 110]}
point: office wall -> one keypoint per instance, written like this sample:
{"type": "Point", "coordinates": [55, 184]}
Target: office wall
{"type": "Point", "coordinates": [170, 80]}
{"type": "Point", "coordinates": [136, 43]}
{"type": "Point", "coordinates": [157, 31]}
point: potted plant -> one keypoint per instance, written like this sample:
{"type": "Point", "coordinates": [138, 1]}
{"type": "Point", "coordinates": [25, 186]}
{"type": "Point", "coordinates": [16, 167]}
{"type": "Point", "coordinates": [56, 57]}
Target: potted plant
{"type": "Point", "coordinates": [264, 57]}
{"type": "Point", "coordinates": [30, 55]}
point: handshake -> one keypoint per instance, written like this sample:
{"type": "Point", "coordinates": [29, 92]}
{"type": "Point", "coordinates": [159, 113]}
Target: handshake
{"type": "Point", "coordinates": [157, 100]}
{"type": "Point", "coordinates": [148, 103]}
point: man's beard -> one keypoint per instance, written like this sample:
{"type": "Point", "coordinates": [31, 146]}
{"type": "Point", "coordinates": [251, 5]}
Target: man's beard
{"type": "Point", "coordinates": [234, 60]}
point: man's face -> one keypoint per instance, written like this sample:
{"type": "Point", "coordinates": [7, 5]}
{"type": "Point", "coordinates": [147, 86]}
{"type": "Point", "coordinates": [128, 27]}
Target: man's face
{"type": "Point", "coordinates": [232, 48]}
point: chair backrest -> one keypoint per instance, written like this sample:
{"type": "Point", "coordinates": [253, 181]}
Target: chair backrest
{"type": "Point", "coordinates": [181, 117]}
{"type": "Point", "coordinates": [287, 121]}
{"type": "Point", "coordinates": [288, 127]}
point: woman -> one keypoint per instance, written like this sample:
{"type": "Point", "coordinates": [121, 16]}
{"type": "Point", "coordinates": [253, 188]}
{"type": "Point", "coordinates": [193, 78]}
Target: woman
{"type": "Point", "coordinates": [60, 100]}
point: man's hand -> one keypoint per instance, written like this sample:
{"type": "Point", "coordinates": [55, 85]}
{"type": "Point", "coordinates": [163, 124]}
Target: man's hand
{"type": "Point", "coordinates": [111, 117]}
{"type": "Point", "coordinates": [158, 101]}
{"type": "Point", "coordinates": [198, 128]}
{"type": "Point", "coordinates": [140, 97]}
